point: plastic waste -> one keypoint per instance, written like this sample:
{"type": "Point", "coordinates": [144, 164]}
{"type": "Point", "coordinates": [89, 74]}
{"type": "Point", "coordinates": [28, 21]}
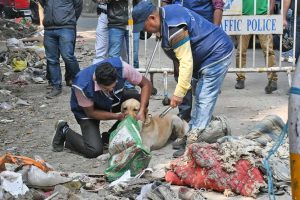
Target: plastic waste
{"type": "Point", "coordinates": [12, 182]}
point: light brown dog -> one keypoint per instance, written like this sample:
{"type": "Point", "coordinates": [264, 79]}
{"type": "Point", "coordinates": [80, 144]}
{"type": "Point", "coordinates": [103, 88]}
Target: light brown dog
{"type": "Point", "coordinates": [156, 131]}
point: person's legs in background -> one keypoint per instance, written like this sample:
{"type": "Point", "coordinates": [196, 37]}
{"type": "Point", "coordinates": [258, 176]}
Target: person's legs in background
{"type": "Point", "coordinates": [101, 45]}
{"type": "Point", "coordinates": [67, 48]}
{"type": "Point", "coordinates": [68, 73]}
{"type": "Point", "coordinates": [243, 43]}
{"type": "Point", "coordinates": [266, 43]}
{"type": "Point", "coordinates": [51, 44]}
{"type": "Point", "coordinates": [116, 40]}
{"type": "Point", "coordinates": [136, 47]}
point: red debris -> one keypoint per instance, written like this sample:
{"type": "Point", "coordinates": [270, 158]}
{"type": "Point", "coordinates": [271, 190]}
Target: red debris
{"type": "Point", "coordinates": [203, 169]}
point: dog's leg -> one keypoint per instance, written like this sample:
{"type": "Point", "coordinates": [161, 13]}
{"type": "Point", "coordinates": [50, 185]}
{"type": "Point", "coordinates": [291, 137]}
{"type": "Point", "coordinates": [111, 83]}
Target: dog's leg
{"type": "Point", "coordinates": [179, 127]}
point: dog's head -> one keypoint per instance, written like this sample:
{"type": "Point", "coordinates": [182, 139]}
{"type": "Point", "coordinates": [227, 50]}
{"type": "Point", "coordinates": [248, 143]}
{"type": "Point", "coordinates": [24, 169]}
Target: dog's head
{"type": "Point", "coordinates": [130, 107]}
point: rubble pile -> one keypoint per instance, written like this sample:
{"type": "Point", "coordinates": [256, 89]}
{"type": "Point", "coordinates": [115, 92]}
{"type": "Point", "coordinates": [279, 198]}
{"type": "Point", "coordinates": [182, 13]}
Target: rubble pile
{"type": "Point", "coordinates": [27, 58]}
{"type": "Point", "coordinates": [11, 29]}
{"type": "Point", "coordinates": [236, 163]}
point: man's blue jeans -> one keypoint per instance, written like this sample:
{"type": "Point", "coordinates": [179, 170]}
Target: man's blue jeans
{"type": "Point", "coordinates": [136, 47]}
{"type": "Point", "coordinates": [117, 36]}
{"type": "Point", "coordinates": [60, 42]}
{"type": "Point", "coordinates": [207, 90]}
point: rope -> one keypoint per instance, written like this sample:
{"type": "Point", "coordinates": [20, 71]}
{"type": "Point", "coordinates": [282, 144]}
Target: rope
{"type": "Point", "coordinates": [295, 90]}
{"type": "Point", "coordinates": [266, 162]}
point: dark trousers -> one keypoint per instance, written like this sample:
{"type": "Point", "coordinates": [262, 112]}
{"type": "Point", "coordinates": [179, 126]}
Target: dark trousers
{"type": "Point", "coordinates": [185, 108]}
{"type": "Point", "coordinates": [90, 143]}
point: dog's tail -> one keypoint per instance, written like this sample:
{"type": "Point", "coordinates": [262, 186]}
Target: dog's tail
{"type": "Point", "coordinates": [186, 126]}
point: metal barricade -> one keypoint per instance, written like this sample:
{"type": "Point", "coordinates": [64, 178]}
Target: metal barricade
{"type": "Point", "coordinates": [227, 21]}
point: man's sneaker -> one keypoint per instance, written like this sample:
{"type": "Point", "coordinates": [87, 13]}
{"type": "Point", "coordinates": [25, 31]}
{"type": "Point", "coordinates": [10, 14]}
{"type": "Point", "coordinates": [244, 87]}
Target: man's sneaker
{"type": "Point", "coordinates": [59, 137]}
{"type": "Point", "coordinates": [290, 59]}
{"type": "Point", "coordinates": [272, 86]}
{"type": "Point", "coordinates": [217, 128]}
{"type": "Point", "coordinates": [179, 143]}
{"type": "Point", "coordinates": [53, 93]}
{"type": "Point", "coordinates": [240, 84]}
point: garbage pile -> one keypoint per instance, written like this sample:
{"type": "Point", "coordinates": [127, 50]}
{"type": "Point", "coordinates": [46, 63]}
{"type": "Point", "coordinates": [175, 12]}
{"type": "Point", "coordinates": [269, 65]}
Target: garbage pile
{"type": "Point", "coordinates": [25, 57]}
{"type": "Point", "coordinates": [11, 29]}
{"type": "Point", "coordinates": [25, 178]}
{"type": "Point", "coordinates": [235, 163]}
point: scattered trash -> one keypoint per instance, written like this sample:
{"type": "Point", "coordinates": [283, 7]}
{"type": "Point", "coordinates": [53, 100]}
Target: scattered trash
{"type": "Point", "coordinates": [37, 177]}
{"type": "Point", "coordinates": [10, 29]}
{"type": "Point", "coordinates": [5, 106]}
{"type": "Point", "coordinates": [14, 43]}
{"type": "Point", "coordinates": [22, 160]}
{"type": "Point", "coordinates": [18, 64]}
{"type": "Point", "coordinates": [124, 178]}
{"type": "Point", "coordinates": [11, 149]}
{"type": "Point", "coordinates": [104, 157]}
{"type": "Point", "coordinates": [38, 80]}
{"type": "Point", "coordinates": [12, 182]}
{"type": "Point", "coordinates": [5, 92]}
{"type": "Point", "coordinates": [22, 102]}
{"type": "Point", "coordinates": [157, 190]}
{"type": "Point", "coordinates": [6, 121]}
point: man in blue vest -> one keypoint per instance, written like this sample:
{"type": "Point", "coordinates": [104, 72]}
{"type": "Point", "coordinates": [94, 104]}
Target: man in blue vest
{"type": "Point", "coordinates": [202, 49]}
{"type": "Point", "coordinates": [97, 94]}
{"type": "Point", "coordinates": [211, 10]}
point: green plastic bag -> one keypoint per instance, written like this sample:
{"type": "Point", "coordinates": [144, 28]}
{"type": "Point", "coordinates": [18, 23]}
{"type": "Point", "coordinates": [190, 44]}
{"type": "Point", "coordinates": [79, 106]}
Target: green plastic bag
{"type": "Point", "coordinates": [127, 150]}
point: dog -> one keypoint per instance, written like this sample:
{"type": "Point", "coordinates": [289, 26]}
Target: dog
{"type": "Point", "coordinates": [156, 131]}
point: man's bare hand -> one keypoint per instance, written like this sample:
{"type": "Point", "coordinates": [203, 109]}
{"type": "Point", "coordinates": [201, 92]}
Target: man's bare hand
{"type": "Point", "coordinates": [140, 116]}
{"type": "Point", "coordinates": [120, 116]}
{"type": "Point", "coordinates": [175, 101]}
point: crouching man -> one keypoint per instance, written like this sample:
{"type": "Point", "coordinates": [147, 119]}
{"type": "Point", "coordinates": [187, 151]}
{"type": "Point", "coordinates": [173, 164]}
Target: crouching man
{"type": "Point", "coordinates": [97, 94]}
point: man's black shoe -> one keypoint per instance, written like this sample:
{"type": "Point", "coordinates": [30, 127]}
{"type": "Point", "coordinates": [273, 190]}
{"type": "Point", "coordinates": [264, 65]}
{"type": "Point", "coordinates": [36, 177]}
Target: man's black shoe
{"type": "Point", "coordinates": [272, 86]}
{"type": "Point", "coordinates": [178, 153]}
{"type": "Point", "coordinates": [53, 93]}
{"type": "Point", "coordinates": [59, 137]}
{"type": "Point", "coordinates": [179, 143]}
{"type": "Point", "coordinates": [240, 84]}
